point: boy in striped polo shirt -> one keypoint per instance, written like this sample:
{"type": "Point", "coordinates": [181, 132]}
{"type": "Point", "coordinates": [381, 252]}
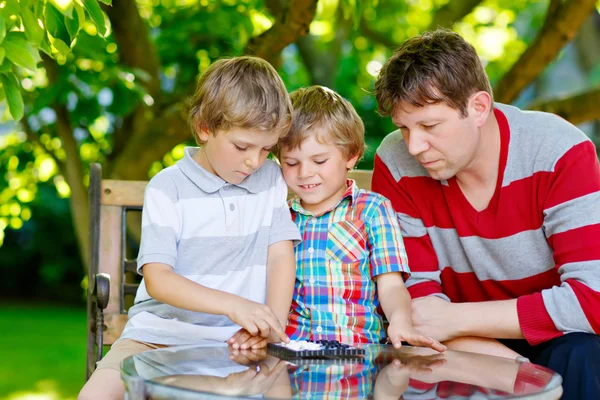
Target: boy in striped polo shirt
{"type": "Point", "coordinates": [351, 259]}
{"type": "Point", "coordinates": [216, 250]}
{"type": "Point", "coordinates": [500, 210]}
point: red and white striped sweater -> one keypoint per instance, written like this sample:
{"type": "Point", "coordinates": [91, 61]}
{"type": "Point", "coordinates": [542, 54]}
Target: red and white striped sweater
{"type": "Point", "coordinates": [538, 240]}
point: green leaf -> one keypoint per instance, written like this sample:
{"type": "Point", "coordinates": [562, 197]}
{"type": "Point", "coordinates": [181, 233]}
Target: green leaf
{"type": "Point", "coordinates": [80, 13]}
{"type": "Point", "coordinates": [55, 24]}
{"type": "Point", "coordinates": [2, 54]}
{"type": "Point", "coordinates": [12, 89]}
{"type": "Point", "coordinates": [20, 51]}
{"type": "Point", "coordinates": [63, 7]}
{"type": "Point", "coordinates": [11, 7]}
{"type": "Point", "coordinates": [61, 46]}
{"type": "Point", "coordinates": [73, 26]}
{"type": "Point", "coordinates": [33, 30]}
{"type": "Point", "coordinates": [96, 14]}
{"type": "Point", "coordinates": [2, 95]}
{"type": "Point", "coordinates": [6, 66]}
{"type": "Point", "coordinates": [2, 28]}
{"type": "Point", "coordinates": [107, 2]}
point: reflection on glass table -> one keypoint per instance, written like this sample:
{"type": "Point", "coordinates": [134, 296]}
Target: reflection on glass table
{"type": "Point", "coordinates": [214, 371]}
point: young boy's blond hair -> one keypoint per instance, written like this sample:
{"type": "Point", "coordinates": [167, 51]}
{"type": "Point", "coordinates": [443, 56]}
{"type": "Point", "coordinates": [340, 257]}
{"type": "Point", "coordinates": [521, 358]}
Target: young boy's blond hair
{"type": "Point", "coordinates": [244, 92]}
{"type": "Point", "coordinates": [320, 107]}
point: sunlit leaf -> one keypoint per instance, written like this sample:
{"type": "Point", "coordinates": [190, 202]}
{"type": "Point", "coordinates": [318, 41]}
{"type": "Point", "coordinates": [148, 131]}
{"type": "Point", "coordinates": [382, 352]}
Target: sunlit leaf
{"type": "Point", "coordinates": [55, 23]}
{"type": "Point", "coordinates": [33, 30]}
{"type": "Point", "coordinates": [20, 51]}
{"type": "Point", "coordinates": [11, 7]}
{"type": "Point", "coordinates": [96, 14]}
{"type": "Point", "coordinates": [2, 29]}
{"type": "Point", "coordinates": [73, 26]}
{"type": "Point", "coordinates": [2, 54]}
{"type": "Point", "coordinates": [64, 6]}
{"type": "Point", "coordinates": [12, 90]}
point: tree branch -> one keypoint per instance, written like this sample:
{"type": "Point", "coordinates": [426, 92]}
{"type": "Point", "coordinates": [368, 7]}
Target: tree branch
{"type": "Point", "coordinates": [582, 107]}
{"type": "Point", "coordinates": [72, 169]}
{"type": "Point", "coordinates": [136, 50]}
{"type": "Point", "coordinates": [165, 132]}
{"type": "Point", "coordinates": [322, 64]}
{"type": "Point", "coordinates": [559, 28]}
{"type": "Point", "coordinates": [377, 37]}
{"type": "Point", "coordinates": [289, 26]}
{"type": "Point", "coordinates": [452, 12]}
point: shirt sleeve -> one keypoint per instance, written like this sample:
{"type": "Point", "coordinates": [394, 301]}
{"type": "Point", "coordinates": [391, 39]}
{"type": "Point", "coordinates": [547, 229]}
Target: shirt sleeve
{"type": "Point", "coordinates": [386, 248]}
{"type": "Point", "coordinates": [571, 208]}
{"type": "Point", "coordinates": [425, 279]}
{"type": "Point", "coordinates": [282, 226]}
{"type": "Point", "coordinates": [161, 226]}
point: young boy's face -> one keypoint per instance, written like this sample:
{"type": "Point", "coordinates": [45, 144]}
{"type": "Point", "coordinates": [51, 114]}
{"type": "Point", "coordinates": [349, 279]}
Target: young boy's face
{"type": "Point", "coordinates": [236, 153]}
{"type": "Point", "coordinates": [316, 172]}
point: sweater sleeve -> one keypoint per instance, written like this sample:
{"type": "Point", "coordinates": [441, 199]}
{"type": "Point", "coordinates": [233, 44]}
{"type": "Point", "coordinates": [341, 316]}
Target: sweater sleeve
{"type": "Point", "coordinates": [570, 199]}
{"type": "Point", "coordinates": [425, 272]}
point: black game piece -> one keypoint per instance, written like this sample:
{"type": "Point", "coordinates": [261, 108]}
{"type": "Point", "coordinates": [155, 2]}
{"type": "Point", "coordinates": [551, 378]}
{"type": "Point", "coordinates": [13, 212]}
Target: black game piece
{"type": "Point", "coordinates": [327, 348]}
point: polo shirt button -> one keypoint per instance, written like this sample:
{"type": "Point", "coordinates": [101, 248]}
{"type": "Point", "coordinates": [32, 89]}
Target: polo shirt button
{"type": "Point", "coordinates": [231, 206]}
{"type": "Point", "coordinates": [312, 281]}
{"type": "Point", "coordinates": [319, 329]}
{"type": "Point", "coordinates": [311, 250]}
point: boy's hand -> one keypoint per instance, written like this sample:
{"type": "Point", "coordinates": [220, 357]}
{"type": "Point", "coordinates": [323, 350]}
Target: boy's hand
{"type": "Point", "coordinates": [243, 340]}
{"type": "Point", "coordinates": [257, 319]}
{"type": "Point", "coordinates": [403, 331]}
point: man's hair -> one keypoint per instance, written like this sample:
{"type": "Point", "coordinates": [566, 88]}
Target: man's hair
{"type": "Point", "coordinates": [320, 107]}
{"type": "Point", "coordinates": [244, 92]}
{"type": "Point", "coordinates": [434, 67]}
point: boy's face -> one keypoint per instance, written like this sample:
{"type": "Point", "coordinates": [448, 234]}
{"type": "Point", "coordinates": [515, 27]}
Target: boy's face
{"type": "Point", "coordinates": [236, 153]}
{"type": "Point", "coordinates": [316, 172]}
{"type": "Point", "coordinates": [439, 138]}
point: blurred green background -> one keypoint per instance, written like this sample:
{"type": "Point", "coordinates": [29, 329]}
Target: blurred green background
{"type": "Point", "coordinates": [86, 81]}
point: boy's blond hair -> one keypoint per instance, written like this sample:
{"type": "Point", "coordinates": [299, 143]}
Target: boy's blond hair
{"type": "Point", "coordinates": [320, 107]}
{"type": "Point", "coordinates": [244, 92]}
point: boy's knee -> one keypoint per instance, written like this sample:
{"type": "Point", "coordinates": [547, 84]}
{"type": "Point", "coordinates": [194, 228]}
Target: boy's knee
{"type": "Point", "coordinates": [103, 384]}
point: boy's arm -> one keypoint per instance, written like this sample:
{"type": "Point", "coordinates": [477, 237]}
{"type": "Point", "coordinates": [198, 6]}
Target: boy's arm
{"type": "Point", "coordinates": [168, 287]}
{"type": "Point", "coordinates": [281, 275]}
{"type": "Point", "coordinates": [396, 303]}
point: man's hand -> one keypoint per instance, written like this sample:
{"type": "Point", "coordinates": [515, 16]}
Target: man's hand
{"type": "Point", "coordinates": [434, 318]}
{"type": "Point", "coordinates": [402, 330]}
{"type": "Point", "coordinates": [257, 319]}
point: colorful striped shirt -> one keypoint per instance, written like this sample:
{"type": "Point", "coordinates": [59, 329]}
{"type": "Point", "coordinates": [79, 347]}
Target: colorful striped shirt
{"type": "Point", "coordinates": [342, 251]}
{"type": "Point", "coordinates": [538, 240]}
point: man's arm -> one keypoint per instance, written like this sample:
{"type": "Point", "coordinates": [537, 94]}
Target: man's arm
{"type": "Point", "coordinates": [572, 227]}
{"type": "Point", "coordinates": [425, 275]}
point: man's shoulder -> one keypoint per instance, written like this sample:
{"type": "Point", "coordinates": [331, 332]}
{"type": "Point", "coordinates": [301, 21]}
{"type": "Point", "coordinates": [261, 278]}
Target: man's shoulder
{"type": "Point", "coordinates": [394, 154]}
{"type": "Point", "coordinates": [538, 140]}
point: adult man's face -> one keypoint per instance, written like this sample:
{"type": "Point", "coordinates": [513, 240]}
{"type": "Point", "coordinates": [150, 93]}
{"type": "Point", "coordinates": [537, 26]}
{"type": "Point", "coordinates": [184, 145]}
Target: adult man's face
{"type": "Point", "coordinates": [439, 137]}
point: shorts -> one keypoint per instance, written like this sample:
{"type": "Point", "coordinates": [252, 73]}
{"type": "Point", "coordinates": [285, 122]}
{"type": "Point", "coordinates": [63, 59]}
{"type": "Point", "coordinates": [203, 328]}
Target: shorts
{"type": "Point", "coordinates": [122, 349]}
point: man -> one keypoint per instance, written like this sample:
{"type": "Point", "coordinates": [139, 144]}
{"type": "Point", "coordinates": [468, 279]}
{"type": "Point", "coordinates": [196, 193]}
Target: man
{"type": "Point", "coordinates": [499, 208]}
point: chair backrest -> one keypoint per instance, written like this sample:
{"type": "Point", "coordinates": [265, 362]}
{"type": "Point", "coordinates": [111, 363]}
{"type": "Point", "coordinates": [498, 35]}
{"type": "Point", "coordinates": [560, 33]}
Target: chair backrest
{"type": "Point", "coordinates": [112, 203]}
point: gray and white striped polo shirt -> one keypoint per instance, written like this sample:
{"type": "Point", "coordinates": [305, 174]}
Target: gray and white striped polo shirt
{"type": "Point", "coordinates": [213, 233]}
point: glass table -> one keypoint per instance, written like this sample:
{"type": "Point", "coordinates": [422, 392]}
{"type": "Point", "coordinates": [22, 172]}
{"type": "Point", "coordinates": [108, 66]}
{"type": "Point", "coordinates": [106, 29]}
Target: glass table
{"type": "Point", "coordinates": [215, 371]}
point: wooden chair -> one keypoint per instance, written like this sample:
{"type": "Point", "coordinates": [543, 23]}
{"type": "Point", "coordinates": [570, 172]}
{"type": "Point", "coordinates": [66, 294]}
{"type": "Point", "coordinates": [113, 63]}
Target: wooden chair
{"type": "Point", "coordinates": [112, 277]}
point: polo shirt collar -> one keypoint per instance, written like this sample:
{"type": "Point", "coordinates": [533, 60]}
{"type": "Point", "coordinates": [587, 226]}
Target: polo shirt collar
{"type": "Point", "coordinates": [350, 194]}
{"type": "Point", "coordinates": [208, 182]}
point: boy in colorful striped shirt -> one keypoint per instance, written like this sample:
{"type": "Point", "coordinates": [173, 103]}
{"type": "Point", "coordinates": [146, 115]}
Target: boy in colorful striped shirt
{"type": "Point", "coordinates": [351, 259]}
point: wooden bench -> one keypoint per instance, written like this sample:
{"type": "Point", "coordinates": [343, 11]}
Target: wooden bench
{"type": "Point", "coordinates": [112, 278]}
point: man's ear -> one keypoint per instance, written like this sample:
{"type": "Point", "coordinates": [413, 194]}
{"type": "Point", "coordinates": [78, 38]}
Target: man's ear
{"type": "Point", "coordinates": [351, 162]}
{"type": "Point", "coordinates": [481, 106]}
